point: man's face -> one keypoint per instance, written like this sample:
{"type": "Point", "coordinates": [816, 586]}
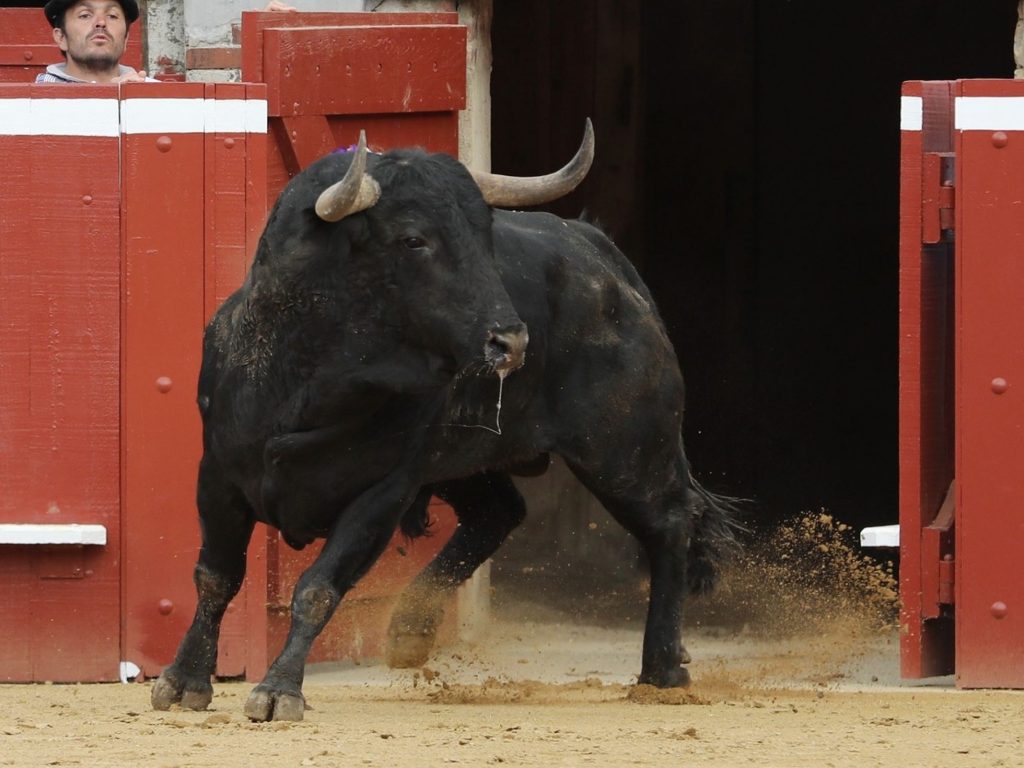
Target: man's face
{"type": "Point", "coordinates": [94, 34]}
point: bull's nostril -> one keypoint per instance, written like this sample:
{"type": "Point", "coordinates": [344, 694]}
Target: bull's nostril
{"type": "Point", "coordinates": [496, 344]}
{"type": "Point", "coordinates": [506, 348]}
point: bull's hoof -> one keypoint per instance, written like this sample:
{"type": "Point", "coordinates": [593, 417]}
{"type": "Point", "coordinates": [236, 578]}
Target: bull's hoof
{"type": "Point", "coordinates": [265, 703]}
{"type": "Point", "coordinates": [408, 650]}
{"type": "Point", "coordinates": [679, 677]}
{"type": "Point", "coordinates": [171, 688]}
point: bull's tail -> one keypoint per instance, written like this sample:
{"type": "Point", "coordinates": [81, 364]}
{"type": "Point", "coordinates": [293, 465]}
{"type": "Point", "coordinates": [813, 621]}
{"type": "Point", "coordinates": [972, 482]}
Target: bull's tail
{"type": "Point", "coordinates": [715, 539]}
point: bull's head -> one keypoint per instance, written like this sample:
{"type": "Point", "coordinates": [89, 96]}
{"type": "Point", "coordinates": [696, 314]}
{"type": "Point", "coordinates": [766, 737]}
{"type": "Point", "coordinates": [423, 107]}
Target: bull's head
{"type": "Point", "coordinates": [430, 219]}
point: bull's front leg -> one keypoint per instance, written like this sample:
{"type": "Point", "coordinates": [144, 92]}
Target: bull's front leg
{"type": "Point", "coordinates": [358, 538]}
{"type": "Point", "coordinates": [227, 527]}
{"type": "Point", "coordinates": [187, 680]}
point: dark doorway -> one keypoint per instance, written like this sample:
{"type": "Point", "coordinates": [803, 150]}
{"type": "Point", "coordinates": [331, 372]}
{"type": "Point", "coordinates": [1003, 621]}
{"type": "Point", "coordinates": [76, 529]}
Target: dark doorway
{"type": "Point", "coordinates": [748, 163]}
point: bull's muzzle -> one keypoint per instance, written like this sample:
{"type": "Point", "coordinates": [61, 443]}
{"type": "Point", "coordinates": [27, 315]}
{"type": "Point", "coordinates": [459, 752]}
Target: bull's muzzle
{"type": "Point", "coordinates": [505, 349]}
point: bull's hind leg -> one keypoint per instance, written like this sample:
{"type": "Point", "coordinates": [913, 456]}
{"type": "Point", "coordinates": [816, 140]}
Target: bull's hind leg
{"type": "Point", "coordinates": [488, 508]}
{"type": "Point", "coordinates": [227, 526]}
{"type": "Point", "coordinates": [655, 507]}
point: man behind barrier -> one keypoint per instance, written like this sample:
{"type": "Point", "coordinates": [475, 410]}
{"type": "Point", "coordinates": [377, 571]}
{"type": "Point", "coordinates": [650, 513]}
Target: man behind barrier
{"type": "Point", "coordinates": [92, 35]}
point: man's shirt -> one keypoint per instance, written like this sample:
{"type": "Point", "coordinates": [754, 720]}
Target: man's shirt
{"type": "Point", "coordinates": [57, 73]}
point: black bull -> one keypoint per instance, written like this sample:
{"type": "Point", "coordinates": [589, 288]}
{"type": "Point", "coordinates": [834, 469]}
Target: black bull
{"type": "Point", "coordinates": [396, 337]}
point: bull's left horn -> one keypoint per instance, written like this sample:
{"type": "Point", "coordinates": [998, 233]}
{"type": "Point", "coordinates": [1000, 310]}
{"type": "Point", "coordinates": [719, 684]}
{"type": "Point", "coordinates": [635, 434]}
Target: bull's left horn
{"type": "Point", "coordinates": [356, 192]}
{"type": "Point", "coordinates": [522, 191]}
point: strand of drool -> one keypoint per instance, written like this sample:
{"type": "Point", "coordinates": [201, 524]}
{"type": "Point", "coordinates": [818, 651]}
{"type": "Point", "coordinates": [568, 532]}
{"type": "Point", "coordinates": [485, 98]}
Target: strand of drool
{"type": "Point", "coordinates": [497, 416]}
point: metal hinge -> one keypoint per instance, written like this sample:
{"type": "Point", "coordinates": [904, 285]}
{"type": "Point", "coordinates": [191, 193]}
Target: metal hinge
{"type": "Point", "coordinates": [946, 571]}
{"type": "Point", "coordinates": [937, 559]}
{"type": "Point", "coordinates": [938, 197]}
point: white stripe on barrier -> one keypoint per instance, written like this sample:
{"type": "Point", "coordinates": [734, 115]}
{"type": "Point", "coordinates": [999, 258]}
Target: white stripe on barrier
{"type": "Point", "coordinates": [111, 117]}
{"type": "Point", "coordinates": [58, 117]}
{"type": "Point", "coordinates": [989, 113]}
{"type": "Point", "coordinates": [14, 117]}
{"type": "Point", "coordinates": [225, 116]}
{"type": "Point", "coordinates": [256, 116]}
{"type": "Point", "coordinates": [911, 113]}
{"type": "Point", "coordinates": [236, 116]}
{"type": "Point", "coordinates": [162, 116]}
{"type": "Point", "coordinates": [41, 533]}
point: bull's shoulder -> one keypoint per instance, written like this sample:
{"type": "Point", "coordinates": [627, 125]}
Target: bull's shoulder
{"type": "Point", "coordinates": [544, 236]}
{"type": "Point", "coordinates": [567, 250]}
{"type": "Point", "coordinates": [546, 228]}
{"type": "Point", "coordinates": [570, 275]}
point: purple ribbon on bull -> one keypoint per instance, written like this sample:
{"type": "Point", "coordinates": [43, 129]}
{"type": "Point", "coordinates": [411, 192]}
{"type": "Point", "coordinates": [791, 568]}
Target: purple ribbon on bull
{"type": "Point", "coordinates": [352, 148]}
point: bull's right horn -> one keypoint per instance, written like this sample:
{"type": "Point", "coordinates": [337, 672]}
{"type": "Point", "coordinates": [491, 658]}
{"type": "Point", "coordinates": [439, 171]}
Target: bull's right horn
{"type": "Point", "coordinates": [521, 191]}
{"type": "Point", "coordinates": [356, 192]}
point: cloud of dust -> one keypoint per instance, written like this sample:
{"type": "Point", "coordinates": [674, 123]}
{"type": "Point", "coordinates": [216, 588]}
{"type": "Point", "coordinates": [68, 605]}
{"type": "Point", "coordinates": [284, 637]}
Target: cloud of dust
{"type": "Point", "coordinates": [806, 576]}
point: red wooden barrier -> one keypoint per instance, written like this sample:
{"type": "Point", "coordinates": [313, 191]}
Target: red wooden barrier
{"type": "Point", "coordinates": [188, 212]}
{"type": "Point", "coordinates": [60, 337]}
{"type": "Point", "coordinates": [926, 377]}
{"type": "Point", "coordinates": [961, 543]}
{"type": "Point", "coordinates": [125, 217]}
{"type": "Point", "coordinates": [989, 121]}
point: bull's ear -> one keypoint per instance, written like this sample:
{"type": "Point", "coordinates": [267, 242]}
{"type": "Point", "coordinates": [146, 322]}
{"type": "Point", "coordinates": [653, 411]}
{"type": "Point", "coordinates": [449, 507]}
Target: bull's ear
{"type": "Point", "coordinates": [356, 192]}
{"type": "Point", "coordinates": [522, 191]}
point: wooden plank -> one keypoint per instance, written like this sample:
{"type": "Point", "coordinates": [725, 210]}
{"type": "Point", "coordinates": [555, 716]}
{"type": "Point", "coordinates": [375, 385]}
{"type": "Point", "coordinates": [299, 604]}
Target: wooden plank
{"type": "Point", "coordinates": [257, 150]}
{"type": "Point", "coordinates": [164, 313]}
{"type": "Point", "coordinates": [226, 196]}
{"type": "Point", "coordinates": [989, 385]}
{"type": "Point", "coordinates": [365, 70]}
{"type": "Point", "coordinates": [254, 23]}
{"type": "Point", "coordinates": [925, 395]}
{"type": "Point", "coordinates": [433, 132]}
{"type": "Point", "coordinates": [306, 139]}
{"type": "Point", "coordinates": [14, 55]}
{"type": "Point", "coordinates": [59, 342]}
{"type": "Point", "coordinates": [26, 26]}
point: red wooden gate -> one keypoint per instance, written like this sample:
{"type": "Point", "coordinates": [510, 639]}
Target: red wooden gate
{"type": "Point", "coordinates": [402, 78]}
{"type": "Point", "coordinates": [962, 371]}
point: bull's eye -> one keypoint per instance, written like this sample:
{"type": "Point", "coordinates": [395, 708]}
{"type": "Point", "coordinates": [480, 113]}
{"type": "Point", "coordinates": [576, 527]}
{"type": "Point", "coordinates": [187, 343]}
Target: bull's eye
{"type": "Point", "coordinates": [414, 243]}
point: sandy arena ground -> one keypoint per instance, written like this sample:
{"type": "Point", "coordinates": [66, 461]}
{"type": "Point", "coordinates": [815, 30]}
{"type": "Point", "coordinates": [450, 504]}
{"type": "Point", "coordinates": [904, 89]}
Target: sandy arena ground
{"type": "Point", "coordinates": [532, 694]}
{"type": "Point", "coordinates": [806, 676]}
